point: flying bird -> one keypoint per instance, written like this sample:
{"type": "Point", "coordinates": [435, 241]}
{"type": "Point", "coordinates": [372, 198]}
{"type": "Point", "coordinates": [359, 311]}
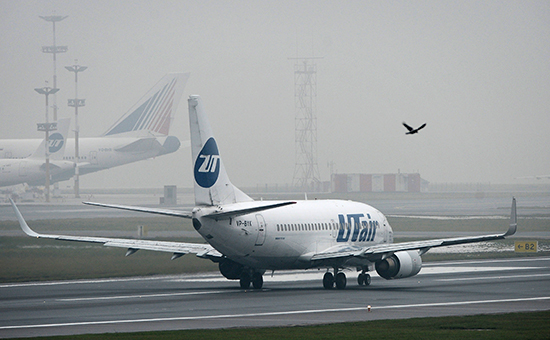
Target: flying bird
{"type": "Point", "coordinates": [411, 130]}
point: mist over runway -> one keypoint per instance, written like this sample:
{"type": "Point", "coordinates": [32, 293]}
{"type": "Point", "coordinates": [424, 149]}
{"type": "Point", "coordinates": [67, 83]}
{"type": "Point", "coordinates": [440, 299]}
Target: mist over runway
{"type": "Point", "coordinates": [422, 205]}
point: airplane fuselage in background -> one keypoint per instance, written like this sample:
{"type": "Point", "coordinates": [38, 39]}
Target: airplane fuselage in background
{"type": "Point", "coordinates": [15, 171]}
{"type": "Point", "coordinates": [141, 133]}
{"type": "Point", "coordinates": [96, 153]}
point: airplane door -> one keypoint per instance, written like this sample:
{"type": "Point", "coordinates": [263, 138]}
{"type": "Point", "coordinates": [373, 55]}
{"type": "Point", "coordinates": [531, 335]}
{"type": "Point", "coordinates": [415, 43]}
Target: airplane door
{"type": "Point", "coordinates": [261, 230]}
{"type": "Point", "coordinates": [93, 157]}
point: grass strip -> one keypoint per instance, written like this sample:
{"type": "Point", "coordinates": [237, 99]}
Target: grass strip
{"type": "Point", "coordinates": [517, 326]}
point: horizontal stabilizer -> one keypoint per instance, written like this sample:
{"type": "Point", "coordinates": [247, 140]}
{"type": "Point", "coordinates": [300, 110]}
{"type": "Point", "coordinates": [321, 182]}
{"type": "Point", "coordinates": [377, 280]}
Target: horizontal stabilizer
{"type": "Point", "coordinates": [140, 145]}
{"type": "Point", "coordinates": [228, 213]}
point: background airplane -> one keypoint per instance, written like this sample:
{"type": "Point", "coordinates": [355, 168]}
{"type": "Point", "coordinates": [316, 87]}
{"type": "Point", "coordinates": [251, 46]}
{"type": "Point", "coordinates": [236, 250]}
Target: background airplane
{"type": "Point", "coordinates": [139, 134]}
{"type": "Point", "coordinates": [248, 237]}
{"type": "Point", "coordinates": [32, 169]}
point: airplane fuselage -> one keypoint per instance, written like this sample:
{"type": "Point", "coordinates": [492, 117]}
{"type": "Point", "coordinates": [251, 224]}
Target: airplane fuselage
{"type": "Point", "coordinates": [95, 153]}
{"type": "Point", "coordinates": [15, 171]}
{"type": "Point", "coordinates": [287, 237]}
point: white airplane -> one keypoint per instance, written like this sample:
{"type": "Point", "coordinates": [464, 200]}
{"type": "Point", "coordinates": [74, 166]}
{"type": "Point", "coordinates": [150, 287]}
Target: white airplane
{"type": "Point", "coordinates": [139, 134]}
{"type": "Point", "coordinates": [248, 237]}
{"type": "Point", "coordinates": [32, 169]}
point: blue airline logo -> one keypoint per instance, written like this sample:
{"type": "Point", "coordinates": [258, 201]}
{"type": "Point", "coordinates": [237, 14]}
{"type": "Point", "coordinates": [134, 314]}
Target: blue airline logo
{"type": "Point", "coordinates": [56, 142]}
{"type": "Point", "coordinates": [363, 231]}
{"type": "Point", "coordinates": [207, 164]}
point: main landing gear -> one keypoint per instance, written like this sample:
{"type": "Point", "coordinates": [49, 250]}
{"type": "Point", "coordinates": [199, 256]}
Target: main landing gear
{"type": "Point", "coordinates": [363, 279]}
{"type": "Point", "coordinates": [255, 278]}
{"type": "Point", "coordinates": [329, 279]}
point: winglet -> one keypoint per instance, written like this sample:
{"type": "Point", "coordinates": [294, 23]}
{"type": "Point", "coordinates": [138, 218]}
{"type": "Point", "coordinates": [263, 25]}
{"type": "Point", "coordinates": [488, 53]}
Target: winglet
{"type": "Point", "coordinates": [22, 222]}
{"type": "Point", "coordinates": [513, 219]}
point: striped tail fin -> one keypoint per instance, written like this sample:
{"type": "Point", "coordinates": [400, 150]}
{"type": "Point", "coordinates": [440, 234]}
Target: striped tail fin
{"type": "Point", "coordinates": [154, 112]}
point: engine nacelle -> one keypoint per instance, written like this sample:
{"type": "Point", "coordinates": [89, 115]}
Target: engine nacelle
{"type": "Point", "coordinates": [230, 269]}
{"type": "Point", "coordinates": [400, 265]}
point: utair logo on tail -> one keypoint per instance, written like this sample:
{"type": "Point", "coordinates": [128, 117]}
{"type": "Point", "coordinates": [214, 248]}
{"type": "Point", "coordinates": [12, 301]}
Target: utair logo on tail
{"type": "Point", "coordinates": [207, 164]}
{"type": "Point", "coordinates": [56, 142]}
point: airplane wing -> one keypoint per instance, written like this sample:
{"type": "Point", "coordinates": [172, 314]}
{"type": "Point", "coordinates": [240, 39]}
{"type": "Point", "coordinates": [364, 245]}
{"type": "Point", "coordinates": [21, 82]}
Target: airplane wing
{"type": "Point", "coordinates": [382, 251]}
{"type": "Point", "coordinates": [177, 248]}
{"type": "Point", "coordinates": [167, 212]}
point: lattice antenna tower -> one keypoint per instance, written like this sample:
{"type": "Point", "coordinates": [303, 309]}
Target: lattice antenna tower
{"type": "Point", "coordinates": [306, 170]}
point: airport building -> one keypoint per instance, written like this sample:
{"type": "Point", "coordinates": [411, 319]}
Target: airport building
{"type": "Point", "coordinates": [396, 182]}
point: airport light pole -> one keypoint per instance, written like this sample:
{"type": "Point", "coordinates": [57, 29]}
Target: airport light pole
{"type": "Point", "coordinates": [54, 50]}
{"type": "Point", "coordinates": [47, 127]}
{"type": "Point", "coordinates": [76, 103]}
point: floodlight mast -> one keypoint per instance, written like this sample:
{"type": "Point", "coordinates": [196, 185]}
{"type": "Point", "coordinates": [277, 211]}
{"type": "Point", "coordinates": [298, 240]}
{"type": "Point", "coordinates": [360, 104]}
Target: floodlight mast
{"type": "Point", "coordinates": [47, 127]}
{"type": "Point", "coordinates": [54, 50]}
{"type": "Point", "coordinates": [76, 103]}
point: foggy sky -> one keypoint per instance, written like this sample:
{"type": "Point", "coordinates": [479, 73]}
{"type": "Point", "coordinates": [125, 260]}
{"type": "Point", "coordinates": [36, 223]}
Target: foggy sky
{"type": "Point", "coordinates": [478, 73]}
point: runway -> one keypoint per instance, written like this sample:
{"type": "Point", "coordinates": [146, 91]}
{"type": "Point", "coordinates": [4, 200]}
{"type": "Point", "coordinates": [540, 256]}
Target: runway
{"type": "Point", "coordinates": [288, 298]}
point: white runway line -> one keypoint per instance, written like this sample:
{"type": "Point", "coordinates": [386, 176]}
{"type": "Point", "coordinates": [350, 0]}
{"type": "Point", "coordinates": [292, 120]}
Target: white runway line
{"type": "Point", "coordinates": [226, 316]}
{"type": "Point", "coordinates": [494, 277]}
{"type": "Point", "coordinates": [140, 296]}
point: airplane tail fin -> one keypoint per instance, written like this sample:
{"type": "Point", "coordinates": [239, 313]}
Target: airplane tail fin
{"type": "Point", "coordinates": [212, 185]}
{"type": "Point", "coordinates": [154, 112]}
{"type": "Point", "coordinates": [57, 142]}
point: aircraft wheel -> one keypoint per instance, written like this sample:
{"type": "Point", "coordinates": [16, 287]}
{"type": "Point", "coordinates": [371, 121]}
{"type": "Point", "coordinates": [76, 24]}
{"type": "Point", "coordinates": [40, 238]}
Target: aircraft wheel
{"type": "Point", "coordinates": [257, 281]}
{"type": "Point", "coordinates": [340, 280]}
{"type": "Point", "coordinates": [245, 281]}
{"type": "Point", "coordinates": [361, 279]}
{"type": "Point", "coordinates": [328, 280]}
{"type": "Point", "coordinates": [367, 280]}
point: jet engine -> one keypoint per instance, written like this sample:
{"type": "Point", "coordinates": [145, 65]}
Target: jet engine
{"type": "Point", "coordinates": [230, 269]}
{"type": "Point", "coordinates": [400, 265]}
